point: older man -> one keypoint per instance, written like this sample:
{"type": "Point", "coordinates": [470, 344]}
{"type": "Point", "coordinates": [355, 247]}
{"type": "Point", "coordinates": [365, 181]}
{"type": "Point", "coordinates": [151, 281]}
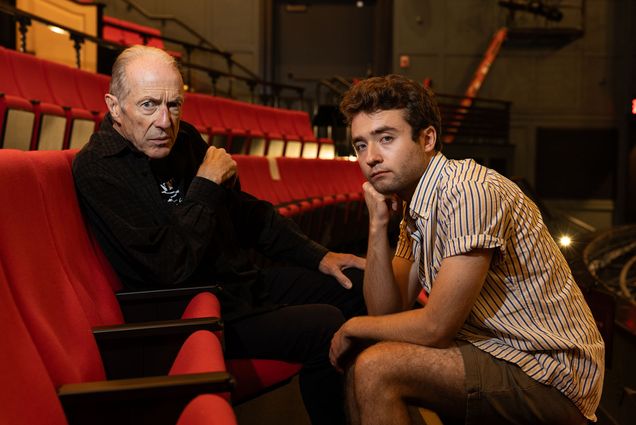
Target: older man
{"type": "Point", "coordinates": [166, 210]}
{"type": "Point", "coordinates": [506, 336]}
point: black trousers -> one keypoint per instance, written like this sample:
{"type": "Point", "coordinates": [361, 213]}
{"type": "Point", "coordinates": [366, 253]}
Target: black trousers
{"type": "Point", "coordinates": [314, 307]}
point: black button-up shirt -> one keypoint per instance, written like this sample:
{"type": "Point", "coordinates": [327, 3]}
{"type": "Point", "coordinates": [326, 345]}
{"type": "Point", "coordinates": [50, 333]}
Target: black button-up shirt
{"type": "Point", "coordinates": [201, 239]}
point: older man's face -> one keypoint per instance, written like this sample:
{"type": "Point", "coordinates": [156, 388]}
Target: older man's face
{"type": "Point", "coordinates": [148, 116]}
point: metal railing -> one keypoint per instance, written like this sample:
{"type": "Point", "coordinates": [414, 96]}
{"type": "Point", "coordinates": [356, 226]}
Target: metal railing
{"type": "Point", "coordinates": [483, 121]}
{"type": "Point", "coordinates": [270, 92]}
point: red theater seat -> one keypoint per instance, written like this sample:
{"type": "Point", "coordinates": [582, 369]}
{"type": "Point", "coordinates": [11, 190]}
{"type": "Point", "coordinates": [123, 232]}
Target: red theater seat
{"type": "Point", "coordinates": [81, 123]}
{"type": "Point", "coordinates": [257, 143]}
{"type": "Point", "coordinates": [269, 125]}
{"type": "Point", "coordinates": [220, 135]}
{"type": "Point", "coordinates": [208, 409]}
{"type": "Point", "coordinates": [28, 396]}
{"type": "Point", "coordinates": [190, 113]}
{"type": "Point", "coordinates": [60, 312]}
{"type": "Point", "coordinates": [293, 141]}
{"type": "Point", "coordinates": [128, 35]}
{"type": "Point", "coordinates": [17, 116]}
{"type": "Point", "coordinates": [92, 87]}
{"type": "Point", "coordinates": [50, 118]}
{"type": "Point", "coordinates": [256, 178]}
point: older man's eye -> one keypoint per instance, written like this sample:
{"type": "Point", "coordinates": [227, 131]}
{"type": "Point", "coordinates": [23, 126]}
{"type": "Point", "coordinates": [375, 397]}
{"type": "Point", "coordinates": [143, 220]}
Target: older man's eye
{"type": "Point", "coordinates": [148, 104]}
{"type": "Point", "coordinates": [175, 107]}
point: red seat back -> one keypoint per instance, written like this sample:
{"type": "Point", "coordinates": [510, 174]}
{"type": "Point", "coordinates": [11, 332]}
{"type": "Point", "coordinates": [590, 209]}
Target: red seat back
{"type": "Point", "coordinates": [190, 110]}
{"type": "Point", "coordinates": [286, 124]}
{"type": "Point", "coordinates": [209, 111]}
{"type": "Point", "coordinates": [92, 88]}
{"type": "Point", "coordinates": [8, 83]}
{"type": "Point", "coordinates": [92, 278]}
{"type": "Point", "coordinates": [45, 297]}
{"type": "Point", "coordinates": [61, 81]}
{"type": "Point", "coordinates": [300, 120]}
{"type": "Point", "coordinates": [255, 178]}
{"type": "Point", "coordinates": [268, 122]}
{"type": "Point", "coordinates": [29, 76]}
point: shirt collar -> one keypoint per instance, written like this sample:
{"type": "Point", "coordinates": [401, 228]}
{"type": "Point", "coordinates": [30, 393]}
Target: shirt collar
{"type": "Point", "coordinates": [112, 143]}
{"type": "Point", "coordinates": [425, 189]}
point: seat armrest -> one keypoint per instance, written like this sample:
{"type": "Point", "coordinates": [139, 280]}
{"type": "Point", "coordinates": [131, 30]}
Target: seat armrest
{"type": "Point", "coordinates": [159, 304]}
{"type": "Point", "coordinates": [146, 349]}
{"type": "Point", "coordinates": [157, 329]}
{"type": "Point", "coordinates": [186, 291]}
{"type": "Point", "coordinates": [156, 400]}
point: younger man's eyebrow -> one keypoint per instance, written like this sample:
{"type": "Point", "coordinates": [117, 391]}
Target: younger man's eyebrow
{"type": "Point", "coordinates": [383, 129]}
{"type": "Point", "coordinates": [375, 132]}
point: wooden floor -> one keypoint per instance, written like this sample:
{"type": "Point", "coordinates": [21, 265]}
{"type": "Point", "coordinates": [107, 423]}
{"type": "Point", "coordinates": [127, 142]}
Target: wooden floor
{"type": "Point", "coordinates": [284, 406]}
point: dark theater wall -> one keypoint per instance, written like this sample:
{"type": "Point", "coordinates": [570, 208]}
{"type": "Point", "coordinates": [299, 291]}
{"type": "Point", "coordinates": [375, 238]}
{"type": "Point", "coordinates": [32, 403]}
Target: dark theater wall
{"type": "Point", "coordinates": [234, 26]}
{"type": "Point", "coordinates": [581, 84]}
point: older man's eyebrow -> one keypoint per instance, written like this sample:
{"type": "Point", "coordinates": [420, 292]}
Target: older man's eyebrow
{"type": "Point", "coordinates": [149, 98]}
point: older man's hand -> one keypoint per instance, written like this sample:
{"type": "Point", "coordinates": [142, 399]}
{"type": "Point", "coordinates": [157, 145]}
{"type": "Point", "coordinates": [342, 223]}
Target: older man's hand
{"type": "Point", "coordinates": [334, 263]}
{"type": "Point", "coordinates": [217, 165]}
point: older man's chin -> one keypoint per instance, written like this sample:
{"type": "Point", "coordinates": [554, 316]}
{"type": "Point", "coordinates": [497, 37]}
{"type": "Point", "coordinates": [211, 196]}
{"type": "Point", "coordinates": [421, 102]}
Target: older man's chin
{"type": "Point", "coordinates": [158, 152]}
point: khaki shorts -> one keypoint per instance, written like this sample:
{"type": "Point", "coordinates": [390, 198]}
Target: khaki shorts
{"type": "Point", "coordinates": [499, 392]}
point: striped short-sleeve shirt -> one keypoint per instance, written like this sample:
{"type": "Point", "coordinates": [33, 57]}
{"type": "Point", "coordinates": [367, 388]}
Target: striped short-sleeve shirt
{"type": "Point", "coordinates": [530, 310]}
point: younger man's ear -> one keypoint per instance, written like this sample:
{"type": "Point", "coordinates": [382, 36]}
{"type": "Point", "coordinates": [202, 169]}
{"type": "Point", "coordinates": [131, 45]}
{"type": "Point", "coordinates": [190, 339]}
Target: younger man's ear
{"type": "Point", "coordinates": [428, 138]}
{"type": "Point", "coordinates": [113, 106]}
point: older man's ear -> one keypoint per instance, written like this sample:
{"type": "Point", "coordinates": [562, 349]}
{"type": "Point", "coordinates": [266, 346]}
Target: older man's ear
{"type": "Point", "coordinates": [113, 106]}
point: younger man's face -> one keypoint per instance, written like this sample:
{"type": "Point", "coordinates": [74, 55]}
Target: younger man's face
{"type": "Point", "coordinates": [389, 158]}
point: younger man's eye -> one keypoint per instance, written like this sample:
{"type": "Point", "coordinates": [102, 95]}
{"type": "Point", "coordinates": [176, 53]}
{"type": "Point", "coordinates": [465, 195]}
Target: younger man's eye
{"type": "Point", "coordinates": [359, 146]}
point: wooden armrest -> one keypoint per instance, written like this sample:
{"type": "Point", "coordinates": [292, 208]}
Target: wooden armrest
{"type": "Point", "coordinates": [156, 400]}
{"type": "Point", "coordinates": [156, 329]}
{"type": "Point", "coordinates": [158, 304]}
{"type": "Point", "coordinates": [186, 291]}
{"type": "Point", "coordinates": [146, 349]}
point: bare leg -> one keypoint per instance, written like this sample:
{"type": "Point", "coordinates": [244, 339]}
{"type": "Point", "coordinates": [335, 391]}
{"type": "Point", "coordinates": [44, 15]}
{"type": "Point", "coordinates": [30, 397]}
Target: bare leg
{"type": "Point", "coordinates": [390, 375]}
{"type": "Point", "coordinates": [351, 405]}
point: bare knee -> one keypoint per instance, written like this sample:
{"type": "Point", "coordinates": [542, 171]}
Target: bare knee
{"type": "Point", "coordinates": [372, 369]}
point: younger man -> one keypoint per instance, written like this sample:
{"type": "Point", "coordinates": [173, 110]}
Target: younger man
{"type": "Point", "coordinates": [506, 335]}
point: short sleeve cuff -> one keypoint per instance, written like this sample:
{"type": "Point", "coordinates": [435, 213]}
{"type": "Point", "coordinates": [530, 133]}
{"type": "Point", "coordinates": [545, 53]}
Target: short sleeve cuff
{"type": "Point", "coordinates": [465, 244]}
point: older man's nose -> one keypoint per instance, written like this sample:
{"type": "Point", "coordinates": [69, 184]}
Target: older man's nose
{"type": "Point", "coordinates": [163, 120]}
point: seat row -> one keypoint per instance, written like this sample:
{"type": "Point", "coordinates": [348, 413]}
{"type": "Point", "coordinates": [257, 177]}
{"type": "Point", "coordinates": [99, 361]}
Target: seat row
{"type": "Point", "coordinates": [127, 33]}
{"type": "Point", "coordinates": [45, 105]}
{"type": "Point", "coordinates": [323, 196]}
{"type": "Point", "coordinates": [246, 128]}
{"type": "Point", "coordinates": [80, 352]}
